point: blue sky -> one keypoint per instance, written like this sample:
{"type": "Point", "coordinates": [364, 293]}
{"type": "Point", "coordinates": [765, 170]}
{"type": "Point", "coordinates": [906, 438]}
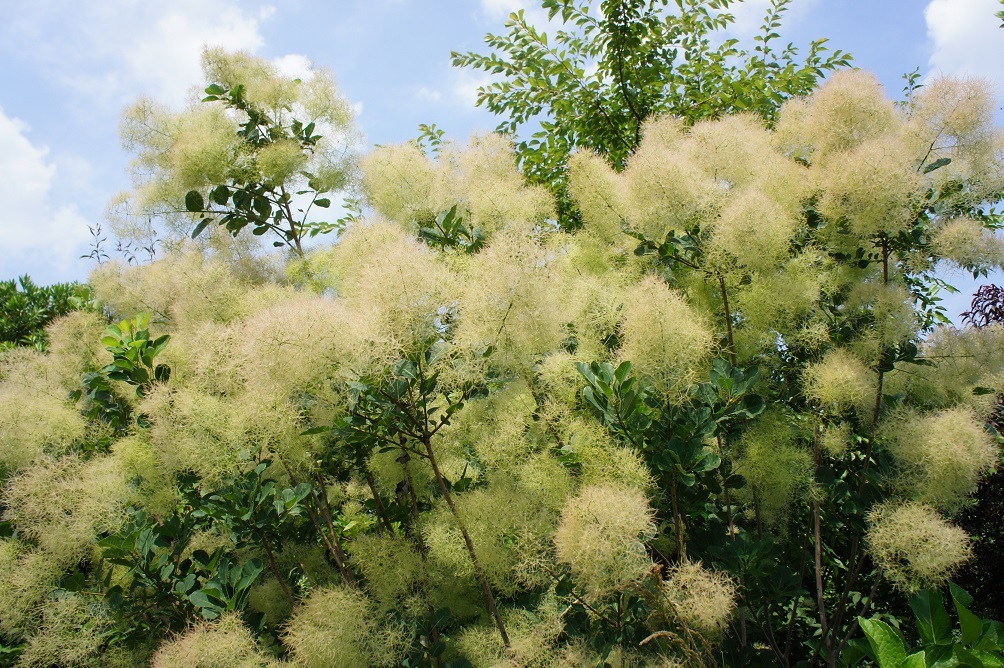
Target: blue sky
{"type": "Point", "coordinates": [67, 69]}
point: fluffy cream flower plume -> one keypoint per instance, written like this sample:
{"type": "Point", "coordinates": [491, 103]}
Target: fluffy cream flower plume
{"type": "Point", "coordinates": [226, 643]}
{"type": "Point", "coordinates": [841, 381]}
{"type": "Point", "coordinates": [482, 179]}
{"type": "Point", "coordinates": [780, 302]}
{"type": "Point", "coordinates": [873, 187]}
{"type": "Point", "coordinates": [966, 359]}
{"type": "Point", "coordinates": [665, 338]}
{"type": "Point", "coordinates": [942, 455]}
{"type": "Point", "coordinates": [504, 303]}
{"type": "Point", "coordinates": [836, 439]}
{"type": "Point", "coordinates": [392, 566]}
{"type": "Point", "coordinates": [778, 469]}
{"type": "Point", "coordinates": [395, 285]}
{"type": "Point", "coordinates": [199, 147]}
{"type": "Point", "coordinates": [914, 546]}
{"type": "Point", "coordinates": [510, 528]}
{"type": "Point", "coordinates": [700, 598]}
{"type": "Point", "coordinates": [754, 231]}
{"type": "Point", "coordinates": [189, 288]}
{"type": "Point", "coordinates": [599, 194]}
{"type": "Point", "coordinates": [953, 118]}
{"type": "Point", "coordinates": [534, 638]}
{"type": "Point", "coordinates": [35, 417]}
{"type": "Point", "coordinates": [667, 188]}
{"type": "Point", "coordinates": [497, 428]}
{"type": "Point", "coordinates": [66, 504]}
{"type": "Point", "coordinates": [738, 153]}
{"type": "Point", "coordinates": [602, 538]}
{"type": "Point", "coordinates": [849, 109]}
{"type": "Point", "coordinates": [968, 244]}
{"type": "Point", "coordinates": [27, 577]}
{"type": "Point", "coordinates": [336, 628]}
{"type": "Point", "coordinates": [495, 191]}
{"type": "Point", "coordinates": [72, 634]}
{"type": "Point", "coordinates": [398, 181]}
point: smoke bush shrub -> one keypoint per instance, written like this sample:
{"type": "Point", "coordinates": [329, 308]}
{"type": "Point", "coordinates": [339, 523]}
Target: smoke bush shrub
{"type": "Point", "coordinates": [717, 424]}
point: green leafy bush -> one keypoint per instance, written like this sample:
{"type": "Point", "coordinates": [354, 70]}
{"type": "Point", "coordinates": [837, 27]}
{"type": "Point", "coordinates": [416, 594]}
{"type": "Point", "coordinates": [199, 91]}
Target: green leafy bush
{"type": "Point", "coordinates": [27, 309]}
{"type": "Point", "coordinates": [973, 642]}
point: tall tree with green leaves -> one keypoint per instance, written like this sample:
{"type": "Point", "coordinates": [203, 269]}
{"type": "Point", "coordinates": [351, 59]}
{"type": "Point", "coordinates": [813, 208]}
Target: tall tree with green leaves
{"type": "Point", "coordinates": [592, 83]}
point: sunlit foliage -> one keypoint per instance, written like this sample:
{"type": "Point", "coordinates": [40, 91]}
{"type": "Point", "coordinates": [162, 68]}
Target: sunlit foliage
{"type": "Point", "coordinates": [727, 407]}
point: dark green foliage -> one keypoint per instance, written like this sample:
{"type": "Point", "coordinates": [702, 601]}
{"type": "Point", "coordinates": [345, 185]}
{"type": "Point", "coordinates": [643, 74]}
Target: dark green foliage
{"type": "Point", "coordinates": [133, 354]}
{"type": "Point", "coordinates": [429, 646]}
{"type": "Point", "coordinates": [169, 585]}
{"type": "Point", "coordinates": [448, 231]}
{"type": "Point", "coordinates": [984, 519]}
{"type": "Point", "coordinates": [256, 511]}
{"type": "Point", "coordinates": [973, 642]}
{"type": "Point", "coordinates": [26, 309]}
{"type": "Point", "coordinates": [247, 200]}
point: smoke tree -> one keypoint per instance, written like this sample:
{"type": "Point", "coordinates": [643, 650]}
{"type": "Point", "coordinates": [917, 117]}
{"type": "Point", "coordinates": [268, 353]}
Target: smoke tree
{"type": "Point", "coordinates": [262, 149]}
{"type": "Point", "coordinates": [605, 68]}
{"type": "Point", "coordinates": [716, 425]}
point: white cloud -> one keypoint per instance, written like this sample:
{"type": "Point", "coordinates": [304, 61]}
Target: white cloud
{"type": "Point", "coordinates": [424, 94]}
{"type": "Point", "coordinates": [46, 239]}
{"type": "Point", "coordinates": [116, 49]}
{"type": "Point", "coordinates": [295, 65]}
{"type": "Point", "coordinates": [499, 10]}
{"type": "Point", "coordinates": [966, 38]}
{"type": "Point", "coordinates": [750, 14]}
{"type": "Point", "coordinates": [465, 86]}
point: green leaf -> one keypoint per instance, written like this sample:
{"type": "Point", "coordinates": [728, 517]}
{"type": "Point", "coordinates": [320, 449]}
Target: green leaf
{"type": "Point", "coordinates": [201, 599]}
{"type": "Point", "coordinates": [972, 627]}
{"type": "Point", "coordinates": [989, 659]}
{"type": "Point", "coordinates": [937, 164]}
{"type": "Point", "coordinates": [194, 201]}
{"type": "Point", "coordinates": [885, 643]}
{"type": "Point", "coordinates": [940, 656]}
{"type": "Point", "coordinates": [322, 202]}
{"type": "Point", "coordinates": [315, 430]}
{"type": "Point", "coordinates": [933, 623]}
{"type": "Point", "coordinates": [200, 226]}
{"type": "Point", "coordinates": [967, 658]}
{"type": "Point", "coordinates": [220, 194]}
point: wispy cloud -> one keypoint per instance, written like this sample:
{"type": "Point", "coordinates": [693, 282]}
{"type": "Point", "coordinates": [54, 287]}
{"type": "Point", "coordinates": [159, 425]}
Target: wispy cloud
{"type": "Point", "coordinates": [424, 94]}
{"type": "Point", "coordinates": [115, 49]}
{"type": "Point", "coordinates": [465, 85]}
{"type": "Point", "coordinates": [966, 38]}
{"type": "Point", "coordinates": [40, 236]}
{"type": "Point", "coordinates": [750, 14]}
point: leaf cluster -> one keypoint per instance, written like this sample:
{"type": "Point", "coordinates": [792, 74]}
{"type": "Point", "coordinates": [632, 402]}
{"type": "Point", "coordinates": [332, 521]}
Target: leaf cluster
{"type": "Point", "coordinates": [974, 642]}
{"type": "Point", "coordinates": [27, 308]}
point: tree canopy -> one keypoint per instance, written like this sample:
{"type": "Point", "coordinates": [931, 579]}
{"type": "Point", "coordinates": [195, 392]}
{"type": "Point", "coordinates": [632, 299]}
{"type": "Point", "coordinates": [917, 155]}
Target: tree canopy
{"type": "Point", "coordinates": [602, 73]}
